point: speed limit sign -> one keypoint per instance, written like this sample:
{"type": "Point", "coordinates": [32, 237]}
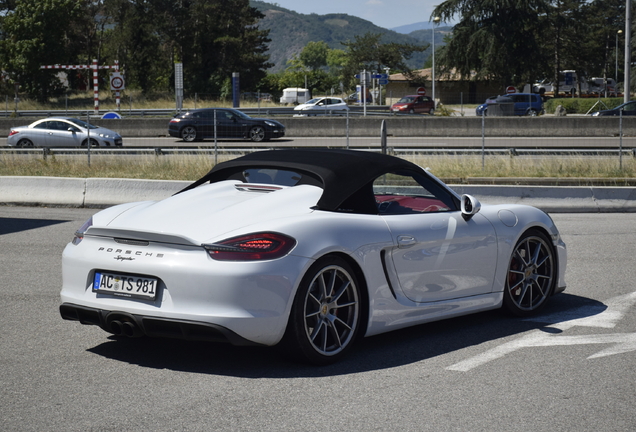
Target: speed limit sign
{"type": "Point", "coordinates": [116, 81]}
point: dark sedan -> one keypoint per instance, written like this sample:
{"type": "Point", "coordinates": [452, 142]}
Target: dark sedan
{"type": "Point", "coordinates": [196, 125]}
{"type": "Point", "coordinates": [628, 109]}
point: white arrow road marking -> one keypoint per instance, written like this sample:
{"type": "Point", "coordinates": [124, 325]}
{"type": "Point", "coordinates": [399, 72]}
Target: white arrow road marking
{"type": "Point", "coordinates": [616, 309]}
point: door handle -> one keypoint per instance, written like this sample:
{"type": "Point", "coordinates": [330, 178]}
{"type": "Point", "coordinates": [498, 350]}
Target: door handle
{"type": "Point", "coordinates": [405, 241]}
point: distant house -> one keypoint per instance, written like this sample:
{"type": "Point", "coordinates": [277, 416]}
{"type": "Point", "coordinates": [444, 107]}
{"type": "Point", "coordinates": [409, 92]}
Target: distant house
{"type": "Point", "coordinates": [450, 89]}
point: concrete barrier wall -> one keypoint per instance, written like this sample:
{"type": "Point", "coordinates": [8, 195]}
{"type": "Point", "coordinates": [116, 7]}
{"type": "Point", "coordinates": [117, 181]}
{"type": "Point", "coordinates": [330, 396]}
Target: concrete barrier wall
{"type": "Point", "coordinates": [398, 126]}
{"type": "Point", "coordinates": [579, 199]}
{"type": "Point", "coordinates": [79, 192]}
{"type": "Point", "coordinates": [104, 192]}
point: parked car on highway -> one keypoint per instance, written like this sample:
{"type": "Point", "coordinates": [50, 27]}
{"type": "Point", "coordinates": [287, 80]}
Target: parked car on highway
{"type": "Point", "coordinates": [628, 109]}
{"type": "Point", "coordinates": [309, 248]}
{"type": "Point", "coordinates": [196, 125]}
{"type": "Point", "coordinates": [323, 105]}
{"type": "Point", "coordinates": [414, 104]}
{"type": "Point", "coordinates": [62, 132]}
{"type": "Point", "coordinates": [529, 104]}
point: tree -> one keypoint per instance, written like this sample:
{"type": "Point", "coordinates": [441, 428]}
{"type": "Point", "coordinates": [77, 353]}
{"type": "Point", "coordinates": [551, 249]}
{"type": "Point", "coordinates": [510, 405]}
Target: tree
{"type": "Point", "coordinates": [34, 36]}
{"type": "Point", "coordinates": [314, 55]}
{"type": "Point", "coordinates": [499, 40]}
{"type": "Point", "coordinates": [369, 53]}
{"type": "Point", "coordinates": [213, 39]}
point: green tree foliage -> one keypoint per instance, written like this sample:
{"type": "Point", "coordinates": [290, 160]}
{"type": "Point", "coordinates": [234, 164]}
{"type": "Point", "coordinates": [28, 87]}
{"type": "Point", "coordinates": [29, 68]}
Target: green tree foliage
{"type": "Point", "coordinates": [213, 39]}
{"type": "Point", "coordinates": [496, 39]}
{"type": "Point", "coordinates": [314, 55]}
{"type": "Point", "coordinates": [519, 41]}
{"type": "Point", "coordinates": [37, 33]}
{"type": "Point", "coordinates": [368, 52]}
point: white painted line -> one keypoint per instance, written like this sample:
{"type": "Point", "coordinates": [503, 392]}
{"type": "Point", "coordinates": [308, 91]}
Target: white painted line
{"type": "Point", "coordinates": [617, 307]}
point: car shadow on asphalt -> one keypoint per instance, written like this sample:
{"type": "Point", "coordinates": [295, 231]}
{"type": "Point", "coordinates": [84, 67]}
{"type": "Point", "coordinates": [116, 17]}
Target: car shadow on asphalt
{"type": "Point", "coordinates": [14, 225]}
{"type": "Point", "coordinates": [388, 350]}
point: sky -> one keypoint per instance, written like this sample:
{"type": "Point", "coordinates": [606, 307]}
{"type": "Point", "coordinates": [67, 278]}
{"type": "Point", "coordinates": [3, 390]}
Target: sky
{"type": "Point", "coordinates": [384, 13]}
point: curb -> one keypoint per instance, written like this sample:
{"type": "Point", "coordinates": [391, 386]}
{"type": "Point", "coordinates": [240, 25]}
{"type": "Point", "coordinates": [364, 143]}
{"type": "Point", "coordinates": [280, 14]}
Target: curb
{"type": "Point", "coordinates": [105, 192]}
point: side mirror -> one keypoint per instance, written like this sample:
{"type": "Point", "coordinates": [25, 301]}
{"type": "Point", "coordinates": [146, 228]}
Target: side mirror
{"type": "Point", "coordinates": [470, 206]}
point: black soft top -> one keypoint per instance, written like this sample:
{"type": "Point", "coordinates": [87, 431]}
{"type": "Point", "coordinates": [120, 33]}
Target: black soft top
{"type": "Point", "coordinates": [346, 176]}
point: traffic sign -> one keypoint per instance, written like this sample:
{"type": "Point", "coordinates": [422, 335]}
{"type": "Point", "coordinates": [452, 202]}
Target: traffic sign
{"type": "Point", "coordinates": [116, 81]}
{"type": "Point", "coordinates": [383, 81]}
{"type": "Point", "coordinates": [511, 89]}
{"type": "Point", "coordinates": [380, 76]}
{"type": "Point", "coordinates": [364, 77]}
{"type": "Point", "coordinates": [421, 91]}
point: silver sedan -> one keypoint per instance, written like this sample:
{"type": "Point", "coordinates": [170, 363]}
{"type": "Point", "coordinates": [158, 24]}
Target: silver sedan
{"type": "Point", "coordinates": [62, 132]}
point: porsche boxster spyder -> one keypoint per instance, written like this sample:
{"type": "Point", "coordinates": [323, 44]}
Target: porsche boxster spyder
{"type": "Point", "coordinates": [309, 249]}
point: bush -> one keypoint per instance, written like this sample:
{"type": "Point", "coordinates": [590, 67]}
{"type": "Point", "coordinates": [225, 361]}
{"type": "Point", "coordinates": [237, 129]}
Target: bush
{"type": "Point", "coordinates": [581, 105]}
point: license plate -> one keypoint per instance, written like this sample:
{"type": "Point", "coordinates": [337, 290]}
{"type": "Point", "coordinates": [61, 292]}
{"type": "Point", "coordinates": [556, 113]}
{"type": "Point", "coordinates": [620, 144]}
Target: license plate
{"type": "Point", "coordinates": [130, 286]}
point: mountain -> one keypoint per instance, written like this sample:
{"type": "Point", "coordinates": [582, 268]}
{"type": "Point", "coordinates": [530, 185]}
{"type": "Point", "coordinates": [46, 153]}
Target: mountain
{"type": "Point", "coordinates": [427, 35]}
{"type": "Point", "coordinates": [408, 28]}
{"type": "Point", "coordinates": [291, 31]}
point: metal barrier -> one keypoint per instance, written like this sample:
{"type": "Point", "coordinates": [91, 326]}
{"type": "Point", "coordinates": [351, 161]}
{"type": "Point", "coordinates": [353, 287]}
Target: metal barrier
{"type": "Point", "coordinates": [170, 112]}
{"type": "Point", "coordinates": [168, 151]}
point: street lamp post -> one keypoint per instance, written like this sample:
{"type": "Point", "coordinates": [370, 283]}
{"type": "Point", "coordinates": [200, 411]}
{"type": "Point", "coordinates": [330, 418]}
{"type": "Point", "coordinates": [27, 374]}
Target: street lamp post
{"type": "Point", "coordinates": [616, 56]}
{"type": "Point", "coordinates": [436, 21]}
{"type": "Point", "coordinates": [628, 51]}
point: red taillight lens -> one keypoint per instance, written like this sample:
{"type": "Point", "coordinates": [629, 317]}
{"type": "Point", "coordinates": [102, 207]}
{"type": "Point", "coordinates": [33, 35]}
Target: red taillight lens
{"type": "Point", "coordinates": [252, 247]}
{"type": "Point", "coordinates": [13, 132]}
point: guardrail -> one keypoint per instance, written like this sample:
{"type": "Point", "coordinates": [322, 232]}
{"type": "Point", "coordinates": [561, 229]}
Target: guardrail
{"type": "Point", "coordinates": [170, 112]}
{"type": "Point", "coordinates": [167, 151]}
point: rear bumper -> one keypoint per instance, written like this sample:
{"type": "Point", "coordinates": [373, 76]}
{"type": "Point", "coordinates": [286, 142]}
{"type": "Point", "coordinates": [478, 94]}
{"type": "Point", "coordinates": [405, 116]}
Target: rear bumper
{"type": "Point", "coordinates": [132, 325]}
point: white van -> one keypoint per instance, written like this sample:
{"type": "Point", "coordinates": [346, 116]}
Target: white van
{"type": "Point", "coordinates": [295, 95]}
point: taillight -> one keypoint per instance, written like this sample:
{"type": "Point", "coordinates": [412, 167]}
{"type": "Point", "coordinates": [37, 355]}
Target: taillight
{"type": "Point", "coordinates": [175, 120]}
{"type": "Point", "coordinates": [13, 132]}
{"type": "Point", "coordinates": [251, 247]}
{"type": "Point", "coordinates": [79, 234]}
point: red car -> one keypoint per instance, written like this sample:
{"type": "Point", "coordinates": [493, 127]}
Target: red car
{"type": "Point", "coordinates": [414, 104]}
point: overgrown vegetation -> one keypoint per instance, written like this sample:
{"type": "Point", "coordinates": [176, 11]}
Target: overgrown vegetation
{"type": "Point", "coordinates": [582, 105]}
{"type": "Point", "coordinates": [452, 168]}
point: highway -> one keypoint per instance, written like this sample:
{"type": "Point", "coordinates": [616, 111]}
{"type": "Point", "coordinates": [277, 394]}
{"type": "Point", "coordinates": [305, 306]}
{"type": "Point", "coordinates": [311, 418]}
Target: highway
{"type": "Point", "coordinates": [573, 368]}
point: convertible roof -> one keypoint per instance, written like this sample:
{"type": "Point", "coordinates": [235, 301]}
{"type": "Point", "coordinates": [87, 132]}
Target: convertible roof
{"type": "Point", "coordinates": [346, 175]}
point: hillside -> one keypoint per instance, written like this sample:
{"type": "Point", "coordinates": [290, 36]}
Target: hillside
{"type": "Point", "coordinates": [291, 31]}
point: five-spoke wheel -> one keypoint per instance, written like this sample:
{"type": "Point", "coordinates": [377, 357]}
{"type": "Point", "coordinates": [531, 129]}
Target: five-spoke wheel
{"type": "Point", "coordinates": [326, 313]}
{"type": "Point", "coordinates": [257, 134]}
{"type": "Point", "coordinates": [189, 133]}
{"type": "Point", "coordinates": [531, 274]}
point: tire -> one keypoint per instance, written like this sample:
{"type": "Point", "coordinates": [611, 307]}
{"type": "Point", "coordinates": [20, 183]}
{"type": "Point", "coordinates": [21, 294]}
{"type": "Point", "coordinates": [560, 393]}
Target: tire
{"type": "Point", "coordinates": [24, 142]}
{"type": "Point", "coordinates": [531, 274]}
{"type": "Point", "coordinates": [411, 111]}
{"type": "Point", "coordinates": [257, 134]}
{"type": "Point", "coordinates": [189, 134]}
{"type": "Point", "coordinates": [94, 143]}
{"type": "Point", "coordinates": [326, 314]}
{"type": "Point", "coordinates": [431, 111]}
{"type": "Point", "coordinates": [532, 113]}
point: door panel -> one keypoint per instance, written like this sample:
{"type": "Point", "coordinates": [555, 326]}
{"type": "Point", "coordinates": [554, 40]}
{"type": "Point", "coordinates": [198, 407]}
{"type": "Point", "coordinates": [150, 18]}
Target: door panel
{"type": "Point", "coordinates": [441, 256]}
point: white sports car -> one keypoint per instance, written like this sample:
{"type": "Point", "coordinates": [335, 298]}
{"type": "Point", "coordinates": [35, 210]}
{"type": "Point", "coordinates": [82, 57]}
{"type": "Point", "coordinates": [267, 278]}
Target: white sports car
{"type": "Point", "coordinates": [323, 106]}
{"type": "Point", "coordinates": [309, 249]}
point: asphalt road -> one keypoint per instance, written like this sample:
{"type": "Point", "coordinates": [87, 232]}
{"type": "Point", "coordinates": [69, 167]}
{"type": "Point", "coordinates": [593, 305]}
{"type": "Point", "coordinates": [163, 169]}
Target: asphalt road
{"type": "Point", "coordinates": [572, 369]}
